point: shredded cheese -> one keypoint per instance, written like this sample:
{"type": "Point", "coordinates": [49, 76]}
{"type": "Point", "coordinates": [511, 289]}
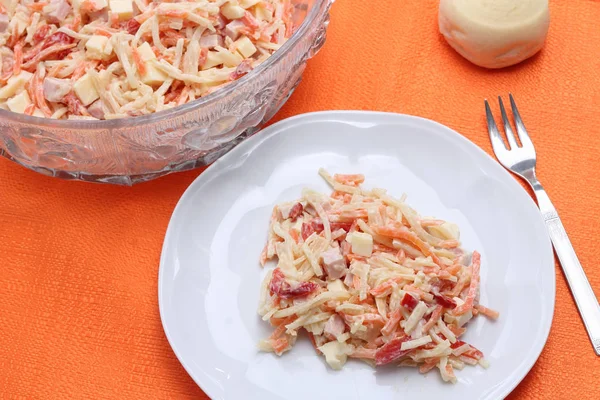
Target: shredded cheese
{"type": "Point", "coordinates": [414, 344]}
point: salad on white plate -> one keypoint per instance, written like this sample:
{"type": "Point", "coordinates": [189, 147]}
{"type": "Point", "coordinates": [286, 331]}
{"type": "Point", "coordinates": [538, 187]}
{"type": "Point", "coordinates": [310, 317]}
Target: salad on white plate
{"type": "Point", "coordinates": [367, 277]}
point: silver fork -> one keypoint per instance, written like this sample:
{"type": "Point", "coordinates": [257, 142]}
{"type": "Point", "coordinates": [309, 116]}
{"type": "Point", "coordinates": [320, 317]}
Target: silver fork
{"type": "Point", "coordinates": [521, 161]}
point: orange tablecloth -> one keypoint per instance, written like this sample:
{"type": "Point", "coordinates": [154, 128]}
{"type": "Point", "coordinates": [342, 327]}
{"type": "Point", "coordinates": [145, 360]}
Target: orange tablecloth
{"type": "Point", "coordinates": [78, 283]}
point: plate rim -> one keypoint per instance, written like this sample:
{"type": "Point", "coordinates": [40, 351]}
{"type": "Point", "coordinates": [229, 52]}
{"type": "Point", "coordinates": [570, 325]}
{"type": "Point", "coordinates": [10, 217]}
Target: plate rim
{"type": "Point", "coordinates": [342, 116]}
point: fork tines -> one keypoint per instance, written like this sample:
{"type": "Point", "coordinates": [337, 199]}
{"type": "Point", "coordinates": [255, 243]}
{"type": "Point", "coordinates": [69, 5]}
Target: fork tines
{"type": "Point", "coordinates": [497, 141]}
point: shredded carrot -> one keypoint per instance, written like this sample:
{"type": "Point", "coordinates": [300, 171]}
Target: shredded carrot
{"type": "Point", "coordinates": [428, 365]}
{"type": "Point", "coordinates": [392, 323]}
{"type": "Point", "coordinates": [415, 290]}
{"type": "Point", "coordinates": [37, 7]}
{"type": "Point", "coordinates": [137, 59]}
{"type": "Point", "coordinates": [5, 76]}
{"type": "Point", "coordinates": [103, 32]}
{"type": "Point", "coordinates": [430, 270]}
{"type": "Point", "coordinates": [183, 95]}
{"type": "Point", "coordinates": [29, 109]}
{"type": "Point", "coordinates": [349, 180]}
{"type": "Point", "coordinates": [78, 72]}
{"type": "Point", "coordinates": [386, 287]}
{"type": "Point", "coordinates": [493, 314]}
{"type": "Point", "coordinates": [449, 244]}
{"type": "Point", "coordinates": [172, 13]}
{"type": "Point", "coordinates": [87, 7]}
{"type": "Point", "coordinates": [453, 269]}
{"type": "Point", "coordinates": [14, 37]}
{"type": "Point", "coordinates": [280, 323]}
{"type": "Point", "coordinates": [450, 371]}
{"type": "Point", "coordinates": [409, 237]}
{"type": "Point", "coordinates": [456, 330]}
{"type": "Point", "coordinates": [145, 16]}
{"type": "Point", "coordinates": [287, 18]}
{"type": "Point", "coordinates": [353, 257]}
{"type": "Point", "coordinates": [32, 52]}
{"type": "Point", "coordinates": [348, 216]}
{"type": "Point", "coordinates": [53, 72]}
{"type": "Point", "coordinates": [38, 94]}
{"type": "Point", "coordinates": [294, 235]}
{"type": "Point", "coordinates": [373, 318]}
{"type": "Point", "coordinates": [249, 20]}
{"type": "Point", "coordinates": [473, 287]}
{"type": "Point", "coordinates": [57, 48]}
{"type": "Point", "coordinates": [338, 195]}
{"type": "Point", "coordinates": [384, 249]}
{"type": "Point", "coordinates": [76, 24]}
{"type": "Point", "coordinates": [435, 316]}
{"type": "Point", "coordinates": [460, 285]}
{"type": "Point", "coordinates": [279, 345]}
{"type": "Point", "coordinates": [18, 59]}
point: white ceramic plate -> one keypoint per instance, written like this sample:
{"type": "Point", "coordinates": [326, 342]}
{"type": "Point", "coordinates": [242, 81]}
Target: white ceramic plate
{"type": "Point", "coordinates": [209, 273]}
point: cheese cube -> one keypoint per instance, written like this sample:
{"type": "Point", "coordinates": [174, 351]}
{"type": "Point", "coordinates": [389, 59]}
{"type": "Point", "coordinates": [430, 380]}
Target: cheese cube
{"type": "Point", "coordinates": [464, 318]}
{"type": "Point", "coordinates": [336, 286]}
{"type": "Point", "coordinates": [153, 75]}
{"type": "Point", "coordinates": [212, 60]}
{"type": "Point", "coordinates": [362, 244]}
{"type": "Point", "coordinates": [38, 113]}
{"type": "Point", "coordinates": [85, 90]}
{"type": "Point", "coordinates": [230, 59]}
{"type": "Point", "coordinates": [19, 103]}
{"type": "Point", "coordinates": [122, 8]}
{"type": "Point", "coordinates": [231, 11]}
{"type": "Point", "coordinates": [262, 14]}
{"type": "Point", "coordinates": [95, 47]}
{"type": "Point", "coordinates": [15, 84]}
{"type": "Point", "coordinates": [336, 354]}
{"type": "Point", "coordinates": [245, 47]}
{"type": "Point", "coordinates": [248, 3]}
{"type": "Point", "coordinates": [146, 52]}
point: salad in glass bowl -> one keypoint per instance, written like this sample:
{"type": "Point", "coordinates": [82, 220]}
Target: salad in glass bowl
{"type": "Point", "coordinates": [123, 91]}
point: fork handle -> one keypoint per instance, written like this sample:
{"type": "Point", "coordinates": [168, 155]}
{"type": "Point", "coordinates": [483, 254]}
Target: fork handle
{"type": "Point", "coordinates": [580, 286]}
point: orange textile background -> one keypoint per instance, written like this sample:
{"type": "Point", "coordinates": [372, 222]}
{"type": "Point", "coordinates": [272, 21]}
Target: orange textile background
{"type": "Point", "coordinates": [78, 283]}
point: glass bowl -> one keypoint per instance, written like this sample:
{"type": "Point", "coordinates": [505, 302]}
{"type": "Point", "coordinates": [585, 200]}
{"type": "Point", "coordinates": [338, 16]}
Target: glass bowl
{"type": "Point", "coordinates": [132, 150]}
